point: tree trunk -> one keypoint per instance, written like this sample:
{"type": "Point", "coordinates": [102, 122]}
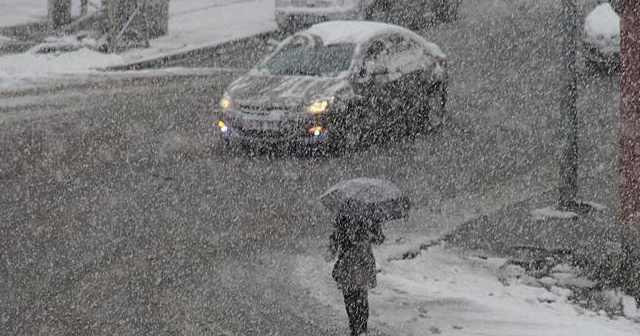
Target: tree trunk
{"type": "Point", "coordinates": [136, 21]}
{"type": "Point", "coordinates": [59, 12]}
{"type": "Point", "coordinates": [156, 18]}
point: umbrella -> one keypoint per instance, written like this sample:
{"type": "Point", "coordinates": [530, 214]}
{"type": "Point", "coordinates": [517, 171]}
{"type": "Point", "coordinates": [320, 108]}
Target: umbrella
{"type": "Point", "coordinates": [367, 197]}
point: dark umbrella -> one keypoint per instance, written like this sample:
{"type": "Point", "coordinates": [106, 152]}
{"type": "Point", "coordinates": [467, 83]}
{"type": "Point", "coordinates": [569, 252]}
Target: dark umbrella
{"type": "Point", "coordinates": [367, 197]}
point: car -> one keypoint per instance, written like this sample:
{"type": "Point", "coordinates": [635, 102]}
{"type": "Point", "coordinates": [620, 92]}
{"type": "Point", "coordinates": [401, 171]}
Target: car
{"type": "Point", "coordinates": [601, 41]}
{"type": "Point", "coordinates": [293, 15]}
{"type": "Point", "coordinates": [337, 85]}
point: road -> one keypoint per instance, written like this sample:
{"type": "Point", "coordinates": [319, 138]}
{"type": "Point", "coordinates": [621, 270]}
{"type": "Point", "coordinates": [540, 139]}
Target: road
{"type": "Point", "coordinates": [119, 217]}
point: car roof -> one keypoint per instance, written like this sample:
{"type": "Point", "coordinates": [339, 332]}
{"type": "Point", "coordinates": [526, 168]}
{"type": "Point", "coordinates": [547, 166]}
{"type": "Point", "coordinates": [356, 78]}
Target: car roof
{"type": "Point", "coordinates": [357, 32]}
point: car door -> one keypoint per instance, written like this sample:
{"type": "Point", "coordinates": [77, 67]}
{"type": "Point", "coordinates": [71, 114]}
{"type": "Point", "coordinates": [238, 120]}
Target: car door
{"type": "Point", "coordinates": [410, 70]}
{"type": "Point", "coordinates": [415, 68]}
{"type": "Point", "coordinates": [375, 83]}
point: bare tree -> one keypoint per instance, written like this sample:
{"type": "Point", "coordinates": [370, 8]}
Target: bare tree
{"type": "Point", "coordinates": [59, 12]}
{"type": "Point", "coordinates": [136, 21]}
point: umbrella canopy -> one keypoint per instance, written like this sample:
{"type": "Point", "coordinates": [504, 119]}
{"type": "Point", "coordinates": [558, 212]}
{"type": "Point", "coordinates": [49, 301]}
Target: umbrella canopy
{"type": "Point", "coordinates": [367, 197]}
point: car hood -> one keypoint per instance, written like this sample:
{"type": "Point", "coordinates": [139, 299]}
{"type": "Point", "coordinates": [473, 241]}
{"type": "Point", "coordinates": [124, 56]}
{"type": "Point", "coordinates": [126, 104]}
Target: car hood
{"type": "Point", "coordinates": [282, 92]}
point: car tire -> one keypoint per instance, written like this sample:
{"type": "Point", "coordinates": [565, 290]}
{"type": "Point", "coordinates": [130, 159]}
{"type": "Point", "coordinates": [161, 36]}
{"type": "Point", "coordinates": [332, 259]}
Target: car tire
{"type": "Point", "coordinates": [226, 146]}
{"type": "Point", "coordinates": [350, 133]}
{"type": "Point", "coordinates": [347, 143]}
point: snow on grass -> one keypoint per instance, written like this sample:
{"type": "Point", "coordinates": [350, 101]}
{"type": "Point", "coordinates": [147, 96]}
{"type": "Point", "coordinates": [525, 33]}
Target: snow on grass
{"type": "Point", "coordinates": [551, 212]}
{"type": "Point", "coordinates": [193, 24]}
{"type": "Point", "coordinates": [20, 67]}
{"type": "Point", "coordinates": [16, 12]}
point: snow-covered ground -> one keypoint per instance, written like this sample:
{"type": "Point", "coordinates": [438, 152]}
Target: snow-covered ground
{"type": "Point", "coordinates": [449, 292]}
{"type": "Point", "coordinates": [192, 24]}
{"type": "Point", "coordinates": [441, 291]}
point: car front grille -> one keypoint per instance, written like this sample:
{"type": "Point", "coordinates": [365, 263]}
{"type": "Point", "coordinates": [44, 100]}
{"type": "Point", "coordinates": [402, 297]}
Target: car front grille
{"type": "Point", "coordinates": [265, 134]}
{"type": "Point", "coordinates": [260, 109]}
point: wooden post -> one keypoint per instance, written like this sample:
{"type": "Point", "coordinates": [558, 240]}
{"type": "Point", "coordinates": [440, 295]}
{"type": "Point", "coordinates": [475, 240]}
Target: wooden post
{"type": "Point", "coordinates": [629, 141]}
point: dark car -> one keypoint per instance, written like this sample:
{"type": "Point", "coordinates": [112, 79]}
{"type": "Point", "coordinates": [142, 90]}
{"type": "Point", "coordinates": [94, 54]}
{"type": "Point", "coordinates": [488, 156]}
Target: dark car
{"type": "Point", "coordinates": [335, 85]}
{"type": "Point", "coordinates": [293, 15]}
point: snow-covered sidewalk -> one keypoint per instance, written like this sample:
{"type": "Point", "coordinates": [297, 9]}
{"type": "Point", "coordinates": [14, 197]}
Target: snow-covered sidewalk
{"type": "Point", "coordinates": [428, 288]}
{"type": "Point", "coordinates": [193, 24]}
{"type": "Point", "coordinates": [450, 292]}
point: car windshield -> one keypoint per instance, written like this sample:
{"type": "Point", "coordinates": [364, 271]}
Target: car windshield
{"type": "Point", "coordinates": [305, 59]}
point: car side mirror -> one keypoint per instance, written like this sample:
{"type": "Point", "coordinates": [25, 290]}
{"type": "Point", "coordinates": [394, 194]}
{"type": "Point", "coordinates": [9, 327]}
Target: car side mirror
{"type": "Point", "coordinates": [379, 71]}
{"type": "Point", "coordinates": [371, 70]}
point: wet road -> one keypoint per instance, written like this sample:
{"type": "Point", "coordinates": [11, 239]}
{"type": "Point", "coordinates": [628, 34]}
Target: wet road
{"type": "Point", "coordinates": [118, 217]}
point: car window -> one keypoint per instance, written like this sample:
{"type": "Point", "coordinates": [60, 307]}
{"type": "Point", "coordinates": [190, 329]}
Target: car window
{"type": "Point", "coordinates": [377, 55]}
{"type": "Point", "coordinates": [406, 55]}
{"type": "Point", "coordinates": [307, 57]}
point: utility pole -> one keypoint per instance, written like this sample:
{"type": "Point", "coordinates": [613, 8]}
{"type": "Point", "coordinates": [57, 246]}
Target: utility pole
{"type": "Point", "coordinates": [568, 187]}
{"type": "Point", "coordinates": [629, 142]}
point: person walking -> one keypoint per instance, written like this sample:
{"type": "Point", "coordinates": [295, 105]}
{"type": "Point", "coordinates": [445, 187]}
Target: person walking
{"type": "Point", "coordinates": [355, 268]}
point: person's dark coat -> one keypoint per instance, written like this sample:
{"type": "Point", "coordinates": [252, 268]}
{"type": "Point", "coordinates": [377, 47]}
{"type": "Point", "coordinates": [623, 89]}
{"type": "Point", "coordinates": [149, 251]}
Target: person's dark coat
{"type": "Point", "coordinates": [351, 240]}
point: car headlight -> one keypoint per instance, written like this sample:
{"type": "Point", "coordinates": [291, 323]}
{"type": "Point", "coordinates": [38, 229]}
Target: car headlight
{"type": "Point", "coordinates": [319, 106]}
{"type": "Point", "coordinates": [225, 103]}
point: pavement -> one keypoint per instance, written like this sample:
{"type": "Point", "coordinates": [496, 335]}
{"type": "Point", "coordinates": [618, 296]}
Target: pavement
{"type": "Point", "coordinates": [507, 227]}
{"type": "Point", "coordinates": [591, 235]}
{"type": "Point", "coordinates": [514, 221]}
{"type": "Point", "coordinates": [500, 230]}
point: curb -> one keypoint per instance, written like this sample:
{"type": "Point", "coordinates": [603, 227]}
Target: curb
{"type": "Point", "coordinates": [23, 36]}
{"type": "Point", "coordinates": [165, 60]}
{"type": "Point", "coordinates": [16, 47]}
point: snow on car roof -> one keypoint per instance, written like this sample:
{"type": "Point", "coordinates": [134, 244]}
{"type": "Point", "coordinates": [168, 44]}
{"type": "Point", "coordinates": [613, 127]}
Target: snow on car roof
{"type": "Point", "coordinates": [357, 32]}
{"type": "Point", "coordinates": [336, 32]}
{"type": "Point", "coordinates": [603, 20]}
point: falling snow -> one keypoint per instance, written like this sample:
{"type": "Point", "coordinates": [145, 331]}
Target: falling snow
{"type": "Point", "coordinates": [123, 211]}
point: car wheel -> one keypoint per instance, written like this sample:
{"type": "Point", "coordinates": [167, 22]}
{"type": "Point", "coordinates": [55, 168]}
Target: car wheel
{"type": "Point", "coordinates": [226, 146]}
{"type": "Point", "coordinates": [349, 132]}
{"type": "Point", "coordinates": [437, 102]}
{"type": "Point", "coordinates": [348, 142]}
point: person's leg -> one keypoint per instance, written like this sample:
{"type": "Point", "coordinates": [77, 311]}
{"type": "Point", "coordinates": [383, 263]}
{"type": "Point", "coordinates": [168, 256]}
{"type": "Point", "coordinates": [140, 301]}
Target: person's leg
{"type": "Point", "coordinates": [351, 305]}
{"type": "Point", "coordinates": [362, 314]}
